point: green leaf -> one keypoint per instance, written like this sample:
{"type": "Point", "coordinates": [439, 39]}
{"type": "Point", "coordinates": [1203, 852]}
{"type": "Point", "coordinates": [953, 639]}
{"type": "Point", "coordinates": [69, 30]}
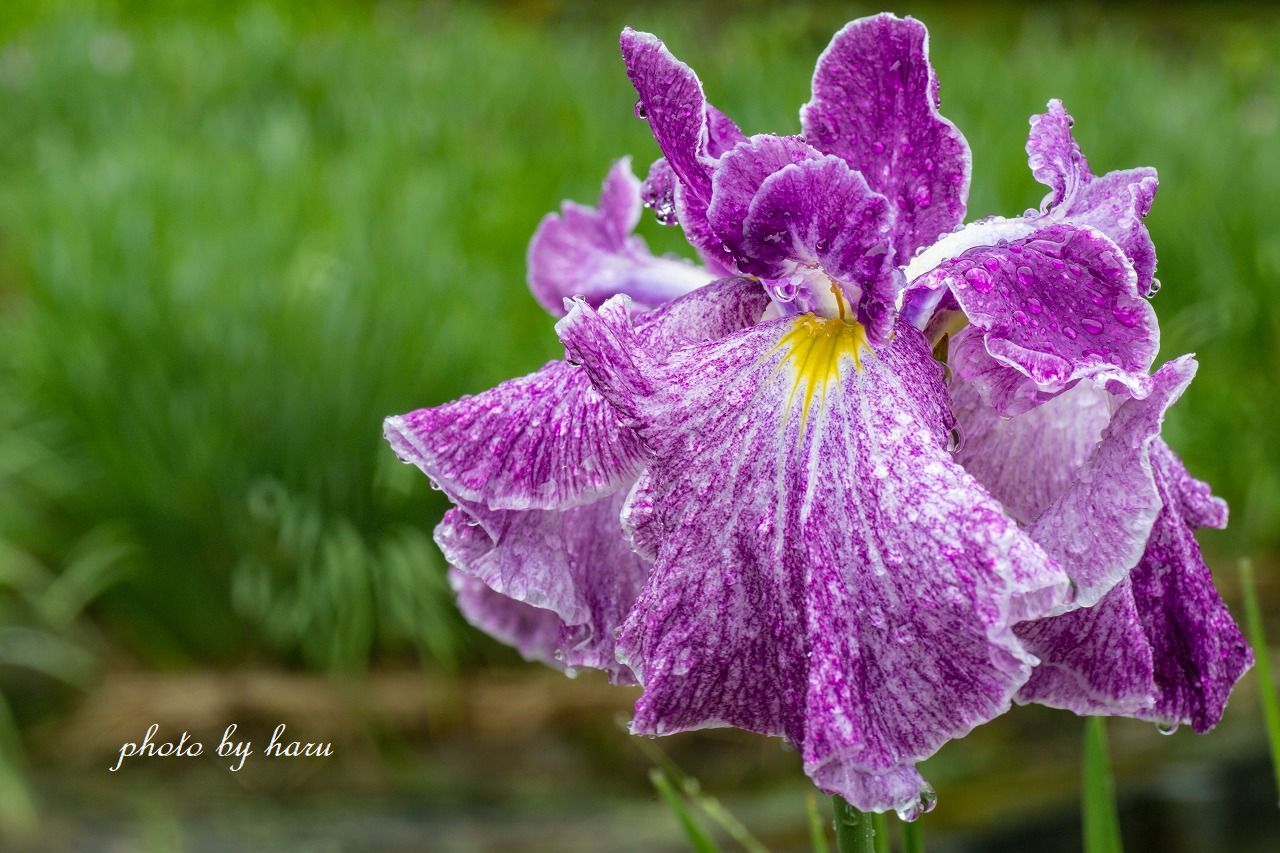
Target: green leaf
{"type": "Point", "coordinates": [699, 841]}
{"type": "Point", "coordinates": [1098, 804]}
{"type": "Point", "coordinates": [1262, 664]}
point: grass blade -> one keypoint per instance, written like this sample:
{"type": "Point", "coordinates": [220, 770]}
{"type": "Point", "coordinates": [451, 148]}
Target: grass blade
{"type": "Point", "coordinates": [699, 841]}
{"type": "Point", "coordinates": [1098, 802]}
{"type": "Point", "coordinates": [817, 832]}
{"type": "Point", "coordinates": [1262, 664]}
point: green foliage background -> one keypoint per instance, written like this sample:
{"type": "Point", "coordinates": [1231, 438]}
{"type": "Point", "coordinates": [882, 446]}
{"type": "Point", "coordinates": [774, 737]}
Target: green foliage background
{"type": "Point", "coordinates": [234, 236]}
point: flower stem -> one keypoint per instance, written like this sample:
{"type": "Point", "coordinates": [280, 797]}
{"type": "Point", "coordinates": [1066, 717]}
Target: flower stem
{"type": "Point", "coordinates": [1101, 824]}
{"type": "Point", "coordinates": [912, 838]}
{"type": "Point", "coordinates": [855, 832]}
{"type": "Point", "coordinates": [880, 826]}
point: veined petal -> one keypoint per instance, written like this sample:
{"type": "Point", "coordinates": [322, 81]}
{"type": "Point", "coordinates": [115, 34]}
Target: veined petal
{"type": "Point", "coordinates": [571, 566]}
{"type": "Point", "coordinates": [533, 632]}
{"type": "Point", "coordinates": [547, 440]}
{"type": "Point", "coordinates": [1102, 492]}
{"type": "Point", "coordinates": [1114, 204]}
{"type": "Point", "coordinates": [539, 467]}
{"type": "Point", "coordinates": [592, 253]}
{"type": "Point", "coordinates": [875, 104]}
{"type": "Point", "coordinates": [543, 441]}
{"type": "Point", "coordinates": [1161, 645]}
{"type": "Point", "coordinates": [824, 571]}
{"type": "Point", "coordinates": [1056, 306]}
{"type": "Point", "coordinates": [1098, 526]}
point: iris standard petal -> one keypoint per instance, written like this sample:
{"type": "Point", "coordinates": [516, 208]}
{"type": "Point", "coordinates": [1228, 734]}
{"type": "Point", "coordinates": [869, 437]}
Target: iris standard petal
{"type": "Point", "coordinates": [824, 571]}
{"type": "Point", "coordinates": [1115, 203]}
{"type": "Point", "coordinates": [875, 104]}
{"type": "Point", "coordinates": [1051, 308]}
{"type": "Point", "coordinates": [686, 127]}
{"type": "Point", "coordinates": [593, 254]}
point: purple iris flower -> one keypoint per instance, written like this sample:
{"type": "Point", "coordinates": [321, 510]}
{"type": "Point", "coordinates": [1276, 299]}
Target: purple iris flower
{"type": "Point", "coordinates": [769, 503]}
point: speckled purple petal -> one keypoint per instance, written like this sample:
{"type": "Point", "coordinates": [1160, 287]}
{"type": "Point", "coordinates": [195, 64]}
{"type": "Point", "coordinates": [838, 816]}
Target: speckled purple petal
{"type": "Point", "coordinates": [875, 103]}
{"type": "Point", "coordinates": [1056, 306]}
{"type": "Point", "coordinates": [1115, 203]}
{"type": "Point", "coordinates": [592, 253]}
{"type": "Point", "coordinates": [574, 565]}
{"type": "Point", "coordinates": [685, 127]}
{"type": "Point", "coordinates": [1161, 645]}
{"type": "Point", "coordinates": [1097, 527]}
{"type": "Point", "coordinates": [825, 573]}
{"type": "Point", "coordinates": [1029, 460]}
{"type": "Point", "coordinates": [543, 441]}
{"type": "Point", "coordinates": [547, 440]}
{"type": "Point", "coordinates": [539, 467]}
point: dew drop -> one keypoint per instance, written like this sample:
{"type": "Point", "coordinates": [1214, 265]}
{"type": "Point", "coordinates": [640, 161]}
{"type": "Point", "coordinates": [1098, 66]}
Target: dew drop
{"type": "Point", "coordinates": [1092, 326]}
{"type": "Point", "coordinates": [877, 147]}
{"type": "Point", "coordinates": [1155, 288]}
{"type": "Point", "coordinates": [923, 805]}
{"type": "Point", "coordinates": [1069, 332]}
{"type": "Point", "coordinates": [1026, 277]}
{"type": "Point", "coordinates": [822, 245]}
{"type": "Point", "coordinates": [992, 264]}
{"type": "Point", "coordinates": [1035, 306]}
{"type": "Point", "coordinates": [641, 112]}
{"type": "Point", "coordinates": [980, 281]}
{"type": "Point", "coordinates": [1166, 728]}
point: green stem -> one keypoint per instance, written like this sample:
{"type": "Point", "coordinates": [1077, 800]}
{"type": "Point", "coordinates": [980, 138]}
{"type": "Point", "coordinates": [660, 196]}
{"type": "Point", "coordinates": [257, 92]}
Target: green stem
{"type": "Point", "coordinates": [880, 826]}
{"type": "Point", "coordinates": [855, 832]}
{"type": "Point", "coordinates": [1101, 825]}
{"type": "Point", "coordinates": [1262, 664]}
{"type": "Point", "coordinates": [912, 838]}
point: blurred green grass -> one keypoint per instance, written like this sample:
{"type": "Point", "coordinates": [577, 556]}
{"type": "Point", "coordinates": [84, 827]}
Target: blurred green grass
{"type": "Point", "coordinates": [234, 236]}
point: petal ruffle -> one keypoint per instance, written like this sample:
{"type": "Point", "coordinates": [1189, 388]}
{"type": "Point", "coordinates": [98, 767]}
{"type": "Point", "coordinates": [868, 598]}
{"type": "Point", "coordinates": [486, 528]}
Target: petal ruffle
{"type": "Point", "coordinates": [593, 254]}
{"type": "Point", "coordinates": [875, 104]}
{"type": "Point", "coordinates": [572, 566]}
{"type": "Point", "coordinates": [539, 467]}
{"type": "Point", "coordinates": [1161, 645]}
{"type": "Point", "coordinates": [1051, 308]}
{"type": "Point", "coordinates": [533, 632]}
{"type": "Point", "coordinates": [824, 571]}
{"type": "Point", "coordinates": [547, 440]}
{"type": "Point", "coordinates": [685, 127]}
{"type": "Point", "coordinates": [1114, 204]}
{"type": "Point", "coordinates": [1097, 527]}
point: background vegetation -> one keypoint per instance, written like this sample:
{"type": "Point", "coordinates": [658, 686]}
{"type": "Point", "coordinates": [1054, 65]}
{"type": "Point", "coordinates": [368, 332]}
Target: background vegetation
{"type": "Point", "coordinates": [234, 236]}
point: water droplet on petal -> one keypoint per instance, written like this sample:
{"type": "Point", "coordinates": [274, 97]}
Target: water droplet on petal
{"type": "Point", "coordinates": [992, 264]}
{"type": "Point", "coordinates": [1026, 277]}
{"type": "Point", "coordinates": [1155, 288]}
{"type": "Point", "coordinates": [1035, 306]}
{"type": "Point", "coordinates": [1090, 325]}
{"type": "Point", "coordinates": [1166, 728]}
{"type": "Point", "coordinates": [822, 245]}
{"type": "Point", "coordinates": [912, 811]}
{"type": "Point", "coordinates": [980, 281]}
{"type": "Point", "coordinates": [877, 147]}
{"type": "Point", "coordinates": [1069, 332]}
{"type": "Point", "coordinates": [641, 112]}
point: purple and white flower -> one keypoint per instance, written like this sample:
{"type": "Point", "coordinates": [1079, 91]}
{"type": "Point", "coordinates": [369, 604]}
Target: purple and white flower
{"type": "Point", "coordinates": [769, 503]}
